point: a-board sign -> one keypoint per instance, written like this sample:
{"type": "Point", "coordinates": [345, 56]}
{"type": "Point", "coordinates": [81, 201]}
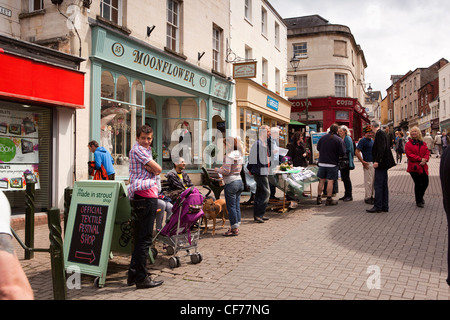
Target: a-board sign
{"type": "Point", "coordinates": [90, 225]}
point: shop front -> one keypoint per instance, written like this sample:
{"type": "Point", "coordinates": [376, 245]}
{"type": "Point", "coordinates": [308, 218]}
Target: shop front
{"type": "Point", "coordinates": [320, 113]}
{"type": "Point", "coordinates": [134, 83]}
{"type": "Point", "coordinates": [257, 106]}
{"type": "Point", "coordinates": [40, 89]}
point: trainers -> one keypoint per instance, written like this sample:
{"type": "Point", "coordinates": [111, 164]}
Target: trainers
{"type": "Point", "coordinates": [319, 200]}
{"type": "Point", "coordinates": [330, 202]}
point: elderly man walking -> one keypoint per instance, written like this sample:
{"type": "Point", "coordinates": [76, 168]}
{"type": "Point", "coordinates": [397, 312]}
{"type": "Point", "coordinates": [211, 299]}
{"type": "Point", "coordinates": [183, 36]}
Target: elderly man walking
{"type": "Point", "coordinates": [383, 160]}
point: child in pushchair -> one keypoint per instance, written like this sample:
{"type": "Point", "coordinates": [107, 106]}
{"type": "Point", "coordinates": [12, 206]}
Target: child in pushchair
{"type": "Point", "coordinates": [176, 235]}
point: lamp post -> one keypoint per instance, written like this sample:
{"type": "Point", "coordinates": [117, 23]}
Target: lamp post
{"type": "Point", "coordinates": [295, 62]}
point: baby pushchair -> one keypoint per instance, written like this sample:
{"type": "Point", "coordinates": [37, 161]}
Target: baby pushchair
{"type": "Point", "coordinates": [177, 235]}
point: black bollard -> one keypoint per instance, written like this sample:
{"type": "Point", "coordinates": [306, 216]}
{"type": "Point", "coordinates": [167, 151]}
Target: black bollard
{"type": "Point", "coordinates": [57, 254]}
{"type": "Point", "coordinates": [29, 220]}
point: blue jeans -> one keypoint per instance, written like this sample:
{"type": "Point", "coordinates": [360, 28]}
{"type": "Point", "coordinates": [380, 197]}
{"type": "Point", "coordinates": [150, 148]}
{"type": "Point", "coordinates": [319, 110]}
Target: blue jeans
{"type": "Point", "coordinates": [233, 192]}
{"type": "Point", "coordinates": [380, 185]}
{"type": "Point", "coordinates": [261, 196]}
{"type": "Point", "coordinates": [145, 209]}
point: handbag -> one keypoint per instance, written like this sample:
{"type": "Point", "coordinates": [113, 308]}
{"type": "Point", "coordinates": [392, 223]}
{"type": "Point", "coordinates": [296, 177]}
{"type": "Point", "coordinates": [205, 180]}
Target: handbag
{"type": "Point", "coordinates": [344, 163]}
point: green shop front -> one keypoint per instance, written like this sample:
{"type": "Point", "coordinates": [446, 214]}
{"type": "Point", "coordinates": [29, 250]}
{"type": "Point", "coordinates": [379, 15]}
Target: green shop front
{"type": "Point", "coordinates": [134, 83]}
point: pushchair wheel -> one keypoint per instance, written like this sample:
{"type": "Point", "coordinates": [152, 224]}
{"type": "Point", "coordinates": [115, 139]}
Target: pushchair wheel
{"type": "Point", "coordinates": [174, 262]}
{"type": "Point", "coordinates": [196, 258]}
{"type": "Point", "coordinates": [170, 250]}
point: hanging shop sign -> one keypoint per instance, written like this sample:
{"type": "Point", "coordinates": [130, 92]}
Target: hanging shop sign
{"type": "Point", "coordinates": [244, 70]}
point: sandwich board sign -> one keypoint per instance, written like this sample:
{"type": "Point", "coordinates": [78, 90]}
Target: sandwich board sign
{"type": "Point", "coordinates": [90, 226]}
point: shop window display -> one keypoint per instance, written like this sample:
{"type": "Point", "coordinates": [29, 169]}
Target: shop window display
{"type": "Point", "coordinates": [121, 114]}
{"type": "Point", "coordinates": [183, 132]}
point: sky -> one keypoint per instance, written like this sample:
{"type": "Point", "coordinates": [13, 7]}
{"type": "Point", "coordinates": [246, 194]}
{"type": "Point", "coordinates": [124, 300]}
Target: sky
{"type": "Point", "coordinates": [396, 35]}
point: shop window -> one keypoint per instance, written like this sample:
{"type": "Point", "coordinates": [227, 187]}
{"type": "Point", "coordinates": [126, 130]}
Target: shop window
{"type": "Point", "coordinates": [107, 86]}
{"type": "Point", "coordinates": [183, 133]}
{"type": "Point", "coordinates": [123, 89]}
{"type": "Point", "coordinates": [137, 93]}
{"type": "Point", "coordinates": [121, 114]}
{"type": "Point", "coordinates": [150, 106]}
{"type": "Point", "coordinates": [26, 139]}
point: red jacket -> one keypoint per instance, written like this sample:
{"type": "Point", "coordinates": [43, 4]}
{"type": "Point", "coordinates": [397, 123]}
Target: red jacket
{"type": "Point", "coordinates": [416, 151]}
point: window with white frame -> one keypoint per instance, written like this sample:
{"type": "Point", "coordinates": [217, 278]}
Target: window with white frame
{"type": "Point", "coordinates": [36, 5]}
{"type": "Point", "coordinates": [217, 38]}
{"type": "Point", "coordinates": [300, 50]}
{"type": "Point", "coordinates": [248, 53]}
{"type": "Point", "coordinates": [277, 35]}
{"type": "Point", "coordinates": [277, 81]}
{"type": "Point", "coordinates": [111, 10]}
{"type": "Point", "coordinates": [263, 21]}
{"type": "Point", "coordinates": [302, 86]}
{"type": "Point", "coordinates": [248, 9]}
{"type": "Point", "coordinates": [264, 69]}
{"type": "Point", "coordinates": [340, 83]}
{"type": "Point", "coordinates": [173, 26]}
{"type": "Point", "coordinates": [415, 108]}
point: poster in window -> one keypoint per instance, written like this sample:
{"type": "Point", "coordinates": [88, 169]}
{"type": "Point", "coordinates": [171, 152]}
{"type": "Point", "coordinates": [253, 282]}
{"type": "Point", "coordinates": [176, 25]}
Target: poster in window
{"type": "Point", "coordinates": [19, 149]}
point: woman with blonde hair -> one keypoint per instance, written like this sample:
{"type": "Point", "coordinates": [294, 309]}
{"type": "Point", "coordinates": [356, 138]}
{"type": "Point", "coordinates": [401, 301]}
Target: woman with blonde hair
{"type": "Point", "coordinates": [231, 172]}
{"type": "Point", "coordinates": [418, 155]}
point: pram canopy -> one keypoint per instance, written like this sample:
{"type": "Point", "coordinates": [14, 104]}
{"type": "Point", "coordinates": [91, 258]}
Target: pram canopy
{"type": "Point", "coordinates": [185, 213]}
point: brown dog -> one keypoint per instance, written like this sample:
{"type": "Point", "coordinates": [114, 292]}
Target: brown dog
{"type": "Point", "coordinates": [214, 209]}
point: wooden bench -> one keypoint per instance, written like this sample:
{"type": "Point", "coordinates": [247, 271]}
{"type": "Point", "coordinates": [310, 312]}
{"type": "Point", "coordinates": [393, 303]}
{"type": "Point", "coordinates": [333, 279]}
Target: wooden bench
{"type": "Point", "coordinates": [213, 181]}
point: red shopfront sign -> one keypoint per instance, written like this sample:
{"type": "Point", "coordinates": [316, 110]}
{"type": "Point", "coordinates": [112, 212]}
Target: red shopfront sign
{"type": "Point", "coordinates": [328, 103]}
{"type": "Point", "coordinates": [23, 79]}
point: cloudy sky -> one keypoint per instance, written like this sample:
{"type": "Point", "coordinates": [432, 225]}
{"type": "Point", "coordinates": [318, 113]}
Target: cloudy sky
{"type": "Point", "coordinates": [395, 35]}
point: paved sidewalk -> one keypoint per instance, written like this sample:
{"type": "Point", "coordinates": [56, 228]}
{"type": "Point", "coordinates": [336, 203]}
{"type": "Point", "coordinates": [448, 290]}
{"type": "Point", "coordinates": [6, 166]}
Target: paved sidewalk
{"type": "Point", "coordinates": [312, 252]}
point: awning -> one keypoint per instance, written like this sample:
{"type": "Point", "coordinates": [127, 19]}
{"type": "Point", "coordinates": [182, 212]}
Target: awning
{"type": "Point", "coordinates": [25, 79]}
{"type": "Point", "coordinates": [296, 123]}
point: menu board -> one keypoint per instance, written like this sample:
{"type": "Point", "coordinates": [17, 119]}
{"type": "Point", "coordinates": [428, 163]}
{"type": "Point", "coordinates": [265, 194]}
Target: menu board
{"type": "Point", "coordinates": [19, 149]}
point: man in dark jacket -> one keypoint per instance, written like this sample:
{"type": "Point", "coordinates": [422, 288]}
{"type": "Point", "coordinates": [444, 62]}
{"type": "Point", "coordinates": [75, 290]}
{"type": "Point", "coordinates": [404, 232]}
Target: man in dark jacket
{"type": "Point", "coordinates": [444, 173]}
{"type": "Point", "coordinates": [383, 160]}
{"type": "Point", "coordinates": [259, 167]}
{"type": "Point", "coordinates": [331, 147]}
{"type": "Point", "coordinates": [177, 178]}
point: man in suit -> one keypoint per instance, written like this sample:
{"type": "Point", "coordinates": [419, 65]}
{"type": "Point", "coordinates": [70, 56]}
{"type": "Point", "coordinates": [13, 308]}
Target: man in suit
{"type": "Point", "coordinates": [383, 160]}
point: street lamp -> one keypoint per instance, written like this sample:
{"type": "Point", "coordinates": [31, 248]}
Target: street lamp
{"type": "Point", "coordinates": [295, 62]}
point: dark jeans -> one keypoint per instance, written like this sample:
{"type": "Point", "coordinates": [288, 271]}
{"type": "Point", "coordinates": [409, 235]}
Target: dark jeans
{"type": "Point", "coordinates": [381, 189]}
{"type": "Point", "coordinates": [145, 209]}
{"type": "Point", "coordinates": [345, 176]}
{"type": "Point", "coordinates": [261, 196]}
{"type": "Point", "coordinates": [420, 185]}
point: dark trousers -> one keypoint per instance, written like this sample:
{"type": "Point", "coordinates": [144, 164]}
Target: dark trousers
{"type": "Point", "coordinates": [145, 209]}
{"type": "Point", "coordinates": [345, 176]}
{"type": "Point", "coordinates": [420, 185]}
{"type": "Point", "coordinates": [261, 196]}
{"type": "Point", "coordinates": [381, 189]}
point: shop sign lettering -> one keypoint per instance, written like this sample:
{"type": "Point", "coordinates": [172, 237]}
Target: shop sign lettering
{"type": "Point", "coordinates": [166, 67]}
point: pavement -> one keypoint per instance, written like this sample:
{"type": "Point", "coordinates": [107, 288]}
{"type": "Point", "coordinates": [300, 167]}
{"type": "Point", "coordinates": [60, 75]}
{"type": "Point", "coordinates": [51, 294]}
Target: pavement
{"type": "Point", "coordinates": [311, 252]}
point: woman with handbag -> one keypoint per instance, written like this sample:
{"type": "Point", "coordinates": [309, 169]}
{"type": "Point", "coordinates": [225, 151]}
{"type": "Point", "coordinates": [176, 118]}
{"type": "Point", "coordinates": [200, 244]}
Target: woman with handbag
{"type": "Point", "coordinates": [346, 163]}
{"type": "Point", "coordinates": [418, 155]}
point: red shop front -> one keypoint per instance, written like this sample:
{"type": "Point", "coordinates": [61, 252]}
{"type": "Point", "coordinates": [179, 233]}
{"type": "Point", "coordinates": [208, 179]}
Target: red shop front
{"type": "Point", "coordinates": [321, 113]}
{"type": "Point", "coordinates": [40, 89]}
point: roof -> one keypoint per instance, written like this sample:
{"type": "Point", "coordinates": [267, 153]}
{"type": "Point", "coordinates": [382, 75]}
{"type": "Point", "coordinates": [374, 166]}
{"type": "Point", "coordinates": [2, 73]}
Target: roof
{"type": "Point", "coordinates": [305, 22]}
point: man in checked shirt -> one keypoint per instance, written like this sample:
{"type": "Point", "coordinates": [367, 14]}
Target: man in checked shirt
{"type": "Point", "coordinates": [143, 191]}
